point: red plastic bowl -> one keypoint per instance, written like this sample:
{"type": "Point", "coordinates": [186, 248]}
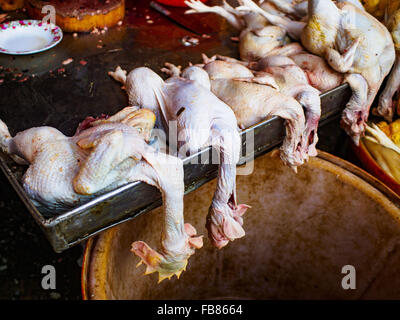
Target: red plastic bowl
{"type": "Point", "coordinates": [374, 168]}
{"type": "Point", "coordinates": [175, 3]}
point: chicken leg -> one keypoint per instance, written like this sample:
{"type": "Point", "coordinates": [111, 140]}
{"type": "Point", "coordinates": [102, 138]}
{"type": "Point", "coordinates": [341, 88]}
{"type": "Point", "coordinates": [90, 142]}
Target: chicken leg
{"type": "Point", "coordinates": [201, 122]}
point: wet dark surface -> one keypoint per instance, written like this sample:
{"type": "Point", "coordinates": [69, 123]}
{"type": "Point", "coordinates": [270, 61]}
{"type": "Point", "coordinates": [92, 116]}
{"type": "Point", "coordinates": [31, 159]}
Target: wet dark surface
{"type": "Point", "coordinates": [39, 90]}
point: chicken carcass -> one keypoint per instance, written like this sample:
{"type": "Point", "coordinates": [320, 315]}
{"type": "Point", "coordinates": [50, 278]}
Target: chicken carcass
{"type": "Point", "coordinates": [255, 101]}
{"type": "Point", "coordinates": [257, 37]}
{"type": "Point", "coordinates": [201, 120]}
{"type": "Point", "coordinates": [352, 42]}
{"type": "Point", "coordinates": [292, 81]}
{"type": "Point", "coordinates": [65, 170]}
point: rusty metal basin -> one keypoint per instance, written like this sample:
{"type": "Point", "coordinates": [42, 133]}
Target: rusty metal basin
{"type": "Point", "coordinates": [301, 231]}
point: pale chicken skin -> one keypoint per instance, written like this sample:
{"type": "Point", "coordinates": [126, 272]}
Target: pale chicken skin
{"type": "Point", "coordinates": [292, 81]}
{"type": "Point", "coordinates": [201, 120]}
{"type": "Point", "coordinates": [65, 170]}
{"type": "Point", "coordinates": [320, 75]}
{"type": "Point", "coordinates": [55, 159]}
{"type": "Point", "coordinates": [352, 42]}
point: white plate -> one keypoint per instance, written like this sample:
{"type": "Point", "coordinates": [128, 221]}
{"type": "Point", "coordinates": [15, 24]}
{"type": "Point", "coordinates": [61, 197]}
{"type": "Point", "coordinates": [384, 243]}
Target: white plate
{"type": "Point", "coordinates": [28, 36]}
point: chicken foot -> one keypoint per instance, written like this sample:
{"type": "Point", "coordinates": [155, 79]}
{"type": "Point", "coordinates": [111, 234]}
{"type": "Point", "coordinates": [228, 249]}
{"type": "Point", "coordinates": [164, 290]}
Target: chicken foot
{"type": "Point", "coordinates": [226, 11]}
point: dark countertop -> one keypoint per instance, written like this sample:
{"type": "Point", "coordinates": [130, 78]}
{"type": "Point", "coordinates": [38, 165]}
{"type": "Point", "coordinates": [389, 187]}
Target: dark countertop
{"type": "Point", "coordinates": [24, 250]}
{"type": "Point", "coordinates": [62, 96]}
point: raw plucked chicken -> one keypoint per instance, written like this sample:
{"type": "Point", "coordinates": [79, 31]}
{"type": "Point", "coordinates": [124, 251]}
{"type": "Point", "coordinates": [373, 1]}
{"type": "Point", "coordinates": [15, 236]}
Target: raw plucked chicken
{"type": "Point", "coordinates": [255, 98]}
{"type": "Point", "coordinates": [291, 81]}
{"type": "Point", "coordinates": [201, 120]}
{"type": "Point", "coordinates": [300, 75]}
{"type": "Point", "coordinates": [108, 153]}
{"type": "Point", "coordinates": [258, 39]}
{"type": "Point", "coordinates": [257, 36]}
{"type": "Point", "coordinates": [352, 42]}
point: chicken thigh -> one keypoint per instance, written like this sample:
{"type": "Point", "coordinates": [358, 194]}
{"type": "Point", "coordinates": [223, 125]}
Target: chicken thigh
{"type": "Point", "coordinates": [201, 120]}
{"type": "Point", "coordinates": [109, 153]}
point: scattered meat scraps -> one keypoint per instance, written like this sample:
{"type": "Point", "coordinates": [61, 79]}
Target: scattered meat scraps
{"type": "Point", "coordinates": [95, 31]}
{"type": "Point", "coordinates": [68, 61]}
{"type": "Point", "coordinates": [189, 41]}
{"type": "Point", "coordinates": [23, 79]}
{"type": "Point", "coordinates": [85, 124]}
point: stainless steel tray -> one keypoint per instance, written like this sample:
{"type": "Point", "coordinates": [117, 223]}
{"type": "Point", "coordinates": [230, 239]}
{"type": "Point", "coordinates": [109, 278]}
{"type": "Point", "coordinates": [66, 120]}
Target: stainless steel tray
{"type": "Point", "coordinates": [66, 228]}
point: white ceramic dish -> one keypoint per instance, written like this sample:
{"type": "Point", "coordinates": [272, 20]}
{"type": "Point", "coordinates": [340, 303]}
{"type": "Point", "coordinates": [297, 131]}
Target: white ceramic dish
{"type": "Point", "coordinates": [28, 36]}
